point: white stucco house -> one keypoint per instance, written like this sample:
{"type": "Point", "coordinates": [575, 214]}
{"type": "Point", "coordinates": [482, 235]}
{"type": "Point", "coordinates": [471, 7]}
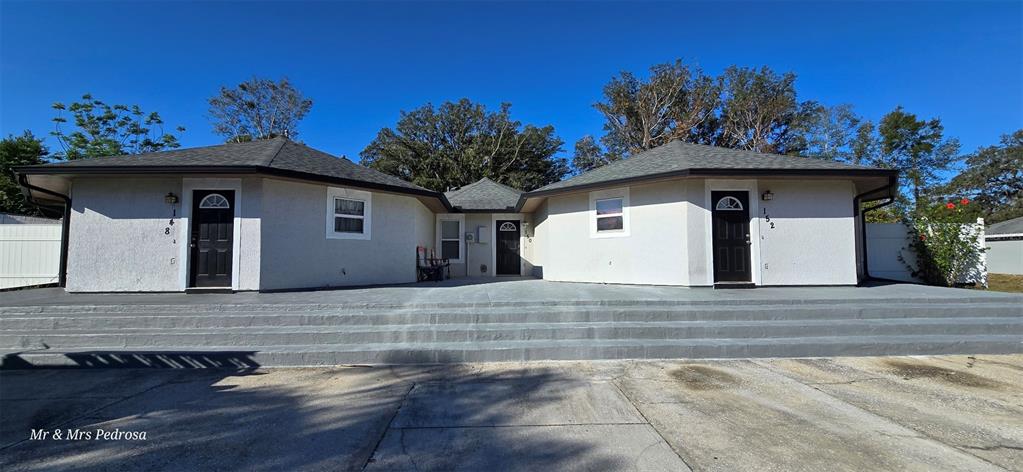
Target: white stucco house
{"type": "Point", "coordinates": [278, 215]}
{"type": "Point", "coordinates": [1004, 241]}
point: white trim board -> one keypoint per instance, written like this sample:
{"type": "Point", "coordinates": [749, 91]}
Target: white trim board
{"type": "Point", "coordinates": [751, 186]}
{"type": "Point", "coordinates": [188, 186]}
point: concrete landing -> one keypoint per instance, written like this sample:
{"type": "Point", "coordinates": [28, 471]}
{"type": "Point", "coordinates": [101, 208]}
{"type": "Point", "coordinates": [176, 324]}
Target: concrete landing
{"type": "Point", "coordinates": [506, 291]}
{"type": "Point", "coordinates": [953, 413]}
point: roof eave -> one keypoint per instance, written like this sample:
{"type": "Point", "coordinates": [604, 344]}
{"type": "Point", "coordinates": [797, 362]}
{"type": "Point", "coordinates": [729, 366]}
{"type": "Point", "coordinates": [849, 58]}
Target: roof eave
{"type": "Point", "coordinates": [163, 170]}
{"type": "Point", "coordinates": [714, 173]}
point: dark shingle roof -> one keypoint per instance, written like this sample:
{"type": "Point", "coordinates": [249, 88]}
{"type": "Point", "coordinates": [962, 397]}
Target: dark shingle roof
{"type": "Point", "coordinates": [1013, 226]}
{"type": "Point", "coordinates": [678, 157]}
{"type": "Point", "coordinates": [278, 154]}
{"type": "Point", "coordinates": [484, 194]}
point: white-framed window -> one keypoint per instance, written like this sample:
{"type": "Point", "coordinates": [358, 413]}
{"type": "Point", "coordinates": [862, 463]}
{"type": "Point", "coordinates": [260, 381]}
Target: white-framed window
{"type": "Point", "coordinates": [450, 243]}
{"type": "Point", "coordinates": [349, 213]}
{"type": "Point", "coordinates": [609, 213]}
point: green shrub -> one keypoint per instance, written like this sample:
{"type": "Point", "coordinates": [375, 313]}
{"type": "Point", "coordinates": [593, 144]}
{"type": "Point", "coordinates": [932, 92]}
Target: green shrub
{"type": "Point", "coordinates": [946, 241]}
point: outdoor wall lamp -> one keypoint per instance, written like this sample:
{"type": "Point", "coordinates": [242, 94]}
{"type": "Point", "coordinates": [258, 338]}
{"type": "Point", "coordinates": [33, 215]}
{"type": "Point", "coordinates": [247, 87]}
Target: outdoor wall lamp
{"type": "Point", "coordinates": [170, 198]}
{"type": "Point", "coordinates": [767, 196]}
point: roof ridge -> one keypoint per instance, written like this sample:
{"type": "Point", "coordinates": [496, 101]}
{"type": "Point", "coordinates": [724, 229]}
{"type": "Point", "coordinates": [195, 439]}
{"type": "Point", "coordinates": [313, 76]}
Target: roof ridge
{"type": "Point", "coordinates": [773, 154]}
{"type": "Point", "coordinates": [277, 152]}
{"type": "Point", "coordinates": [509, 187]}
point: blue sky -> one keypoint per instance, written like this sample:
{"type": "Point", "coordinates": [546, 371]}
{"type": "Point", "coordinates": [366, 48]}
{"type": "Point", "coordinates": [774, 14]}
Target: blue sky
{"type": "Point", "coordinates": [363, 62]}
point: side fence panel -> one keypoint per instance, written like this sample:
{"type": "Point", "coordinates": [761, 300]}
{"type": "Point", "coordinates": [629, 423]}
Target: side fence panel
{"type": "Point", "coordinates": [29, 254]}
{"type": "Point", "coordinates": [886, 242]}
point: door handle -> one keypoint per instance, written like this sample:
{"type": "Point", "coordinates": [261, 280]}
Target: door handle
{"type": "Point", "coordinates": [748, 241]}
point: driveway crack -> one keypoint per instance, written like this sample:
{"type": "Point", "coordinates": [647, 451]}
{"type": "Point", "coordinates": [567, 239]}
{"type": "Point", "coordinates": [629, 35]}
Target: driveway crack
{"type": "Point", "coordinates": [647, 420]}
{"type": "Point", "coordinates": [383, 433]}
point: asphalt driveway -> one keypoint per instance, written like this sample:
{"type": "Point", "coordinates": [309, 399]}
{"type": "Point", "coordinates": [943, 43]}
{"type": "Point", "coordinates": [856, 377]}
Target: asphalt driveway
{"type": "Point", "coordinates": [904, 413]}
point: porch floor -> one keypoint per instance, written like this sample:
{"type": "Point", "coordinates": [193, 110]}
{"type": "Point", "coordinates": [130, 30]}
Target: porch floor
{"type": "Point", "coordinates": [511, 291]}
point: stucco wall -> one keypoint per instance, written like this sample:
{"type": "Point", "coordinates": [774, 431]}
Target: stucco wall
{"type": "Point", "coordinates": [296, 252]}
{"type": "Point", "coordinates": [479, 253]}
{"type": "Point", "coordinates": [697, 241]}
{"type": "Point", "coordinates": [1005, 257]}
{"type": "Point", "coordinates": [252, 210]}
{"type": "Point", "coordinates": [813, 239]}
{"type": "Point", "coordinates": [117, 235]}
{"type": "Point", "coordinates": [121, 239]}
{"type": "Point", "coordinates": [654, 252]}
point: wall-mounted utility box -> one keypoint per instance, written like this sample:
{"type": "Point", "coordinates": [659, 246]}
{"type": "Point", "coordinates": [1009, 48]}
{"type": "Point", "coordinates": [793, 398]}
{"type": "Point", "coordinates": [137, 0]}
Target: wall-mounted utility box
{"type": "Point", "coordinates": [482, 234]}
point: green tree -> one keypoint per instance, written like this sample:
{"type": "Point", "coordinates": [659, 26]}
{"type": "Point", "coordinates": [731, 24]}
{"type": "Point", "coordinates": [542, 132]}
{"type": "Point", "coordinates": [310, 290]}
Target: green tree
{"type": "Point", "coordinates": [825, 132]}
{"type": "Point", "coordinates": [864, 149]}
{"type": "Point", "coordinates": [758, 109]}
{"type": "Point", "coordinates": [918, 149]}
{"type": "Point", "coordinates": [109, 130]}
{"type": "Point", "coordinates": [17, 151]}
{"type": "Point", "coordinates": [743, 108]}
{"type": "Point", "coordinates": [258, 109]}
{"type": "Point", "coordinates": [676, 102]}
{"type": "Point", "coordinates": [588, 155]}
{"type": "Point", "coordinates": [461, 142]}
{"type": "Point", "coordinates": [993, 178]}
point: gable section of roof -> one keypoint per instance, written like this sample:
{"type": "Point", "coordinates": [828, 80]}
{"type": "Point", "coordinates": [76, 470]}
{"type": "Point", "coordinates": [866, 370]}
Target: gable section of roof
{"type": "Point", "coordinates": [679, 157]}
{"type": "Point", "coordinates": [484, 195]}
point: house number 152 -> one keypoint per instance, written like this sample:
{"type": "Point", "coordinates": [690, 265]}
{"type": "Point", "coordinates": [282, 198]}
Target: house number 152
{"type": "Point", "coordinates": [767, 219]}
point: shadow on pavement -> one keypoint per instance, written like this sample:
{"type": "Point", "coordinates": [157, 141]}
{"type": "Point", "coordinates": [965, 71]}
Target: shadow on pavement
{"type": "Point", "coordinates": [138, 360]}
{"type": "Point", "coordinates": [261, 420]}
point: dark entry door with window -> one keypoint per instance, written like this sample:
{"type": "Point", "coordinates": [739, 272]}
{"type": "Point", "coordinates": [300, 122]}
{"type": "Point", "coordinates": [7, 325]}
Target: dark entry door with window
{"type": "Point", "coordinates": [730, 215]}
{"type": "Point", "coordinates": [212, 238]}
{"type": "Point", "coordinates": [508, 261]}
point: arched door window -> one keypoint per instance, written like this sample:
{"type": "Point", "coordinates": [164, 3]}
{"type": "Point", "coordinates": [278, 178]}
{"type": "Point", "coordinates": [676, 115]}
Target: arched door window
{"type": "Point", "coordinates": [214, 200]}
{"type": "Point", "coordinates": [507, 226]}
{"type": "Point", "coordinates": [729, 204]}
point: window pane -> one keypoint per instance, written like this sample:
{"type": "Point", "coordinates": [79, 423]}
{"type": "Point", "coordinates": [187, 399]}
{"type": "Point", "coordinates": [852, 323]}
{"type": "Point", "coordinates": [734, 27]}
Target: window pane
{"type": "Point", "coordinates": [449, 250]}
{"type": "Point", "coordinates": [348, 207]}
{"type": "Point", "coordinates": [449, 230]}
{"type": "Point", "coordinates": [347, 225]}
{"type": "Point", "coordinates": [610, 223]}
{"type": "Point", "coordinates": [612, 206]}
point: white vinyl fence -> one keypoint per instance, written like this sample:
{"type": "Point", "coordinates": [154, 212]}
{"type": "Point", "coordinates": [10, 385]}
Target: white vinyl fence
{"type": "Point", "coordinates": [29, 254]}
{"type": "Point", "coordinates": [887, 242]}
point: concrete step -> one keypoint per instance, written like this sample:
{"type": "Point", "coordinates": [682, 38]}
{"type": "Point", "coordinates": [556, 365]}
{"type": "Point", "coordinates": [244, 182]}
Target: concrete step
{"type": "Point", "coordinates": [419, 353]}
{"type": "Point", "coordinates": [555, 314]}
{"type": "Point", "coordinates": [486, 332]}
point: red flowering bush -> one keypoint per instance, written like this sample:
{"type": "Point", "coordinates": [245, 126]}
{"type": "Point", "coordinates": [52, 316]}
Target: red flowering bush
{"type": "Point", "coordinates": [946, 241]}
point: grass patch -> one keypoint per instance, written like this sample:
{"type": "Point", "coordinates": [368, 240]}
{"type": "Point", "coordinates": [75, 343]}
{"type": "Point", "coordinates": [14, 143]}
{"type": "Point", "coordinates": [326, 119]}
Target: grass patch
{"type": "Point", "coordinates": [1005, 283]}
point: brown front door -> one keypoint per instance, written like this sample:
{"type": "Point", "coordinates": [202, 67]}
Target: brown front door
{"type": "Point", "coordinates": [212, 238]}
{"type": "Point", "coordinates": [730, 215]}
{"type": "Point", "coordinates": [508, 260]}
